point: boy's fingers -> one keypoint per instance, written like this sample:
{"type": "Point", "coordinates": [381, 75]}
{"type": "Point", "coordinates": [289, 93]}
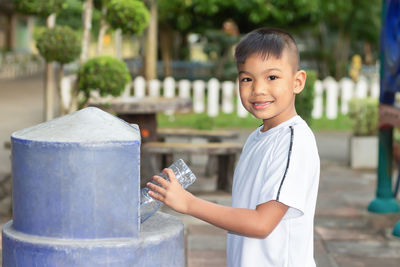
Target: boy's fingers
{"type": "Point", "coordinates": [156, 196]}
{"type": "Point", "coordinates": [170, 173]}
{"type": "Point", "coordinates": [156, 188]}
{"type": "Point", "coordinates": [161, 181]}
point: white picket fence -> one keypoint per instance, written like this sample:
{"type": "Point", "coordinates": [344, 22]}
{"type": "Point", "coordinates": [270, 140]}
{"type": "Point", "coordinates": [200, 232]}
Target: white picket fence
{"type": "Point", "coordinates": [14, 65]}
{"type": "Point", "coordinates": [214, 96]}
{"type": "Point", "coordinates": [338, 94]}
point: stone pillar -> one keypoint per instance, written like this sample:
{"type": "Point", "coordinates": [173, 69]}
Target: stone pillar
{"type": "Point", "coordinates": [76, 198]}
{"type": "Point", "coordinates": [198, 96]}
{"type": "Point", "coordinates": [332, 91]}
{"type": "Point", "coordinates": [139, 87]}
{"type": "Point", "coordinates": [318, 101]}
{"type": "Point", "coordinates": [228, 88]}
{"type": "Point", "coordinates": [213, 97]}
{"type": "Point", "coordinates": [184, 88]}
{"type": "Point", "coordinates": [154, 88]}
{"type": "Point", "coordinates": [169, 87]}
{"type": "Point", "coordinates": [346, 86]}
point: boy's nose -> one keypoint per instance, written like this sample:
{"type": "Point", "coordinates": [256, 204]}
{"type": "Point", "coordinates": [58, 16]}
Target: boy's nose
{"type": "Point", "coordinates": [259, 88]}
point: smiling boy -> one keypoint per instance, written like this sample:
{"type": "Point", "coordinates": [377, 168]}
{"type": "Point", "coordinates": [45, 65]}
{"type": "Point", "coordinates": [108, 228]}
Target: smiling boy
{"type": "Point", "coordinates": [276, 180]}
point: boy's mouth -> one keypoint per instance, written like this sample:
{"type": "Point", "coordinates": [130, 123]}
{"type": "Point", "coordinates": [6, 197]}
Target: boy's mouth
{"type": "Point", "coordinates": [261, 105]}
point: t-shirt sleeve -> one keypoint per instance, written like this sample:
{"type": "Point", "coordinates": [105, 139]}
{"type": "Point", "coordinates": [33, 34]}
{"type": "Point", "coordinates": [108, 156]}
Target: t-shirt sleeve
{"type": "Point", "coordinates": [291, 173]}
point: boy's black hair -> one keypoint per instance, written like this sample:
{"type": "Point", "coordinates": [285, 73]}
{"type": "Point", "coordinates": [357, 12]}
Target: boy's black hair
{"type": "Point", "coordinates": [267, 41]}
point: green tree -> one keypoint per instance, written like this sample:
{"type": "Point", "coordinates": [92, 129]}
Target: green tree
{"type": "Point", "coordinates": [201, 15]}
{"type": "Point", "coordinates": [107, 74]}
{"type": "Point", "coordinates": [180, 17]}
{"type": "Point", "coordinates": [219, 48]}
{"type": "Point", "coordinates": [345, 27]}
{"type": "Point", "coordinates": [127, 16]}
{"type": "Point", "coordinates": [44, 9]}
{"type": "Point", "coordinates": [131, 16]}
{"type": "Point", "coordinates": [101, 5]}
{"type": "Point", "coordinates": [292, 15]}
{"type": "Point", "coordinates": [41, 8]}
{"type": "Point", "coordinates": [60, 44]}
{"type": "Point", "coordinates": [330, 30]}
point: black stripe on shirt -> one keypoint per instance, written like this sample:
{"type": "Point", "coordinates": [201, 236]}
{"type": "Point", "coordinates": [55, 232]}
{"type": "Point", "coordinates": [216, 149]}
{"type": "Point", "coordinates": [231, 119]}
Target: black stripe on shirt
{"type": "Point", "coordinates": [288, 161]}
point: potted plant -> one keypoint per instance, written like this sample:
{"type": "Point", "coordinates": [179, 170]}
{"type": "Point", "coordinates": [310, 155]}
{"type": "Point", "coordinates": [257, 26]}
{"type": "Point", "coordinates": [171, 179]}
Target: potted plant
{"type": "Point", "coordinates": [364, 141]}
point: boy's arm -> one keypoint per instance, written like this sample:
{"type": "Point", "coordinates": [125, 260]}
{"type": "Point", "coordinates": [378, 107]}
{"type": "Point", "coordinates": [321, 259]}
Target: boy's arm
{"type": "Point", "coordinates": [253, 223]}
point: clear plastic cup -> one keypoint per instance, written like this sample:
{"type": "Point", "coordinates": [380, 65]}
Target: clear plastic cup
{"type": "Point", "coordinates": [149, 205]}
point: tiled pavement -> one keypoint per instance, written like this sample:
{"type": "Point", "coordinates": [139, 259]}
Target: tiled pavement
{"type": "Point", "coordinates": [346, 234]}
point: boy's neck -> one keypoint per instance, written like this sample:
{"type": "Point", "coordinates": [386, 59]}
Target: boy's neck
{"type": "Point", "coordinates": [271, 123]}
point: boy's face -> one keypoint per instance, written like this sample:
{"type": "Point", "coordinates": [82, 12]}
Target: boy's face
{"type": "Point", "coordinates": [268, 87]}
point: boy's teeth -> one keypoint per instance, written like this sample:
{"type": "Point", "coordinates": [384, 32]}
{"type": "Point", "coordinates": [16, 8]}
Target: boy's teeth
{"type": "Point", "coordinates": [268, 102]}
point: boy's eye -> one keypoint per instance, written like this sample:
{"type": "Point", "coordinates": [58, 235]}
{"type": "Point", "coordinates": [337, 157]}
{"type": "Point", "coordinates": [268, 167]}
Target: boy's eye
{"type": "Point", "coordinates": [245, 79]}
{"type": "Point", "coordinates": [272, 77]}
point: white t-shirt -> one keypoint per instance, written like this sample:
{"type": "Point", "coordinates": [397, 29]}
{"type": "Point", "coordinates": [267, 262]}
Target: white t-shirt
{"type": "Point", "coordinates": [280, 164]}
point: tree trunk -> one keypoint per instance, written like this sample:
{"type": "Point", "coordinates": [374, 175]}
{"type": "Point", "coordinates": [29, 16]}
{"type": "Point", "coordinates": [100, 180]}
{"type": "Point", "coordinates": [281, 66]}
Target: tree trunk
{"type": "Point", "coordinates": [30, 25]}
{"type": "Point", "coordinates": [321, 59]}
{"type": "Point", "coordinates": [341, 52]}
{"type": "Point", "coordinates": [103, 29]}
{"type": "Point", "coordinates": [151, 43]}
{"type": "Point", "coordinates": [166, 49]}
{"type": "Point", "coordinates": [11, 33]}
{"type": "Point", "coordinates": [63, 109]}
{"type": "Point", "coordinates": [50, 80]}
{"type": "Point", "coordinates": [177, 46]}
{"type": "Point", "coordinates": [87, 25]}
{"type": "Point", "coordinates": [74, 105]}
{"type": "Point", "coordinates": [142, 54]}
{"type": "Point", "coordinates": [49, 92]}
{"type": "Point", "coordinates": [184, 47]}
{"type": "Point", "coordinates": [118, 43]}
{"type": "Point", "coordinates": [223, 58]}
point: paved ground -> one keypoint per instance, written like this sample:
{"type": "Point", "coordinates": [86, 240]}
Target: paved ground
{"type": "Point", "coordinates": [346, 235]}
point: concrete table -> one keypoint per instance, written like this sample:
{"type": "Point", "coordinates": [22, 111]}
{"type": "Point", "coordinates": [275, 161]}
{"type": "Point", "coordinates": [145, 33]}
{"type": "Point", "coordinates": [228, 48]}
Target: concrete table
{"type": "Point", "coordinates": [143, 111]}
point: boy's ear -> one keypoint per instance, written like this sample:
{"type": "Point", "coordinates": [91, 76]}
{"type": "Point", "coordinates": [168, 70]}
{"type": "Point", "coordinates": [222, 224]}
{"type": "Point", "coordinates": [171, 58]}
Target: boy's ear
{"type": "Point", "coordinates": [300, 81]}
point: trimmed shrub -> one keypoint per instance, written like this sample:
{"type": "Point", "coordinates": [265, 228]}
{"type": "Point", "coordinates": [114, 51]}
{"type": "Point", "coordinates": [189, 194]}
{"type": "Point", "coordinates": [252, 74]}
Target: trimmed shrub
{"type": "Point", "coordinates": [305, 100]}
{"type": "Point", "coordinates": [41, 8]}
{"type": "Point", "coordinates": [364, 114]}
{"type": "Point", "coordinates": [107, 74]}
{"type": "Point", "coordinates": [131, 16]}
{"type": "Point", "coordinates": [59, 44]}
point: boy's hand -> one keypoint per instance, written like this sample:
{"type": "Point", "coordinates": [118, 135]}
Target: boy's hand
{"type": "Point", "coordinates": [170, 192]}
{"type": "Point", "coordinates": [259, 222]}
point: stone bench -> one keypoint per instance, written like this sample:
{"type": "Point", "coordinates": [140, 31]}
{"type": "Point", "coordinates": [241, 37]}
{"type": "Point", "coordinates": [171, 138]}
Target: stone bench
{"type": "Point", "coordinates": [209, 135]}
{"type": "Point", "coordinates": [224, 151]}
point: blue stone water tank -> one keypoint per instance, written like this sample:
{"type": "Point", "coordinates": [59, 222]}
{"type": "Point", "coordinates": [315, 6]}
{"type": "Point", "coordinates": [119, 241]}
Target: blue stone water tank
{"type": "Point", "coordinates": [76, 198]}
